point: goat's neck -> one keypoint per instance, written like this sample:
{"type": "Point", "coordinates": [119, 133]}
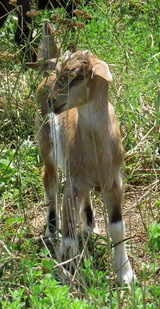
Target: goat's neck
{"type": "Point", "coordinates": [95, 112]}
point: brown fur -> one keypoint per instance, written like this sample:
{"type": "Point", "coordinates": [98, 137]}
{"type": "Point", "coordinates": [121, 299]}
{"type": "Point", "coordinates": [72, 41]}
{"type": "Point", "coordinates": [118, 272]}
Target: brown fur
{"type": "Point", "coordinates": [93, 151]}
{"type": "Point", "coordinates": [85, 130]}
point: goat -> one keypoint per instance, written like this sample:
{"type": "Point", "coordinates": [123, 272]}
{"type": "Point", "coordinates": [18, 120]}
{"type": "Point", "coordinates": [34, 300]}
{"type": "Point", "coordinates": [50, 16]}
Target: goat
{"type": "Point", "coordinates": [79, 131]}
{"type": "Point", "coordinates": [23, 32]}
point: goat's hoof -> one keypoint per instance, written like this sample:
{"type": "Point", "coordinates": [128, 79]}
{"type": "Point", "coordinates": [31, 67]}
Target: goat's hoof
{"type": "Point", "coordinates": [128, 277]}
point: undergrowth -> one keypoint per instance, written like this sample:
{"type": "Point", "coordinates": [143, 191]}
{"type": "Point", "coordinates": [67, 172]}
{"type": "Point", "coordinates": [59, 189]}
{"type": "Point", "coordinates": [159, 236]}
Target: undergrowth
{"type": "Point", "coordinates": [126, 35]}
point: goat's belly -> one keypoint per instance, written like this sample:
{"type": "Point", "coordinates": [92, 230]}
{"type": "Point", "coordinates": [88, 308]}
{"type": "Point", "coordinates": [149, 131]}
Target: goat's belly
{"type": "Point", "coordinates": [100, 178]}
{"type": "Point", "coordinates": [56, 139]}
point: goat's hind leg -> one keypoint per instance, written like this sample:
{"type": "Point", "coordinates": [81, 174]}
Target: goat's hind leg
{"type": "Point", "coordinates": [116, 228]}
{"type": "Point", "coordinates": [87, 214]}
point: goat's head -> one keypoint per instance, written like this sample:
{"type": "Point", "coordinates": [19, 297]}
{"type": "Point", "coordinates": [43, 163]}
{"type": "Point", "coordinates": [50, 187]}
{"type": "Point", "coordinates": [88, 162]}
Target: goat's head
{"type": "Point", "coordinates": [76, 76]}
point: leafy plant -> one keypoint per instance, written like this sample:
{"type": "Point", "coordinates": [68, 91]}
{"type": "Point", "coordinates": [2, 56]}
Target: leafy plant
{"type": "Point", "coordinates": [126, 35]}
{"type": "Point", "coordinates": [154, 237]}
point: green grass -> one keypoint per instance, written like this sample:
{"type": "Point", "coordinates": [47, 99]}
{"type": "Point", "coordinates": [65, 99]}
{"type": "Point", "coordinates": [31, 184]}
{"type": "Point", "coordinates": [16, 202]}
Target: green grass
{"type": "Point", "coordinates": [126, 35]}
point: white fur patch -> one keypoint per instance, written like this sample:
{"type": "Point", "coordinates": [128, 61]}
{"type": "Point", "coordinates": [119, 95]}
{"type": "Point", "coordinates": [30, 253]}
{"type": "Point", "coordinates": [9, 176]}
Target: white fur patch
{"type": "Point", "coordinates": [117, 231]}
{"type": "Point", "coordinates": [121, 261]}
{"type": "Point", "coordinates": [56, 138]}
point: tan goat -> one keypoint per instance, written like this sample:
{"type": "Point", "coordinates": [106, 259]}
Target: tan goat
{"type": "Point", "coordinates": [79, 131]}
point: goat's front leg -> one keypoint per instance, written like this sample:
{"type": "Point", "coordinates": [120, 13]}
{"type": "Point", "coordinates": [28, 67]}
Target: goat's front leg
{"type": "Point", "coordinates": [75, 203]}
{"type": "Point", "coordinates": [50, 186]}
{"type": "Point", "coordinates": [116, 228]}
{"type": "Point", "coordinates": [69, 242]}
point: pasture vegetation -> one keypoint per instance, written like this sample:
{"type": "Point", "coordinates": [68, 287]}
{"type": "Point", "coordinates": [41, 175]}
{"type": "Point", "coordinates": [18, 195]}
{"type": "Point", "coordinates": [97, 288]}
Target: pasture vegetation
{"type": "Point", "coordinates": [126, 35]}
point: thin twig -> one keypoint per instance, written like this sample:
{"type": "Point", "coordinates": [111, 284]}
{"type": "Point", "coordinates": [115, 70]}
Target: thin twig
{"type": "Point", "coordinates": [3, 244]}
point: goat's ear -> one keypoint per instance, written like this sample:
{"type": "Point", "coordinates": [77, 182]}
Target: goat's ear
{"type": "Point", "coordinates": [50, 46]}
{"type": "Point", "coordinates": [42, 65]}
{"type": "Point", "coordinates": [102, 69]}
